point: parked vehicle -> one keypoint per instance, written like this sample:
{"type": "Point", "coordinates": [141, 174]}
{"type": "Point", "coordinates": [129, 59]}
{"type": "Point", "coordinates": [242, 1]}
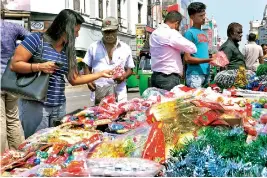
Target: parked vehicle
{"type": "Point", "coordinates": [144, 72]}
{"type": "Point", "coordinates": [133, 80]}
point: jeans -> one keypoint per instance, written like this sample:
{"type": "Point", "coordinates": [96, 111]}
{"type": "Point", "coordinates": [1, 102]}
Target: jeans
{"type": "Point", "coordinates": [164, 81]}
{"type": "Point", "coordinates": [197, 81]}
{"type": "Point", "coordinates": [11, 131]}
{"type": "Point", "coordinates": [35, 116]}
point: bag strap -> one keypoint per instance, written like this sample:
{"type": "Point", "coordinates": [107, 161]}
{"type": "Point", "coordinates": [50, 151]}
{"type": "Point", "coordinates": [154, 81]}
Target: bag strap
{"type": "Point", "coordinates": [41, 48]}
{"type": "Point", "coordinates": [36, 74]}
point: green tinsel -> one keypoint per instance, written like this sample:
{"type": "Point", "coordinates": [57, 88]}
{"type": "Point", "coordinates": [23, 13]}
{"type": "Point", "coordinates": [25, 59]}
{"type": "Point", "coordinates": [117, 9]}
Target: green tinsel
{"type": "Point", "coordinates": [228, 146]}
{"type": "Point", "coordinates": [261, 70]}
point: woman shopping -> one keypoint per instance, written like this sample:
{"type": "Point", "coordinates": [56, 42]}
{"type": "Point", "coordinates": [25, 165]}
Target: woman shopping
{"type": "Point", "coordinates": [58, 49]}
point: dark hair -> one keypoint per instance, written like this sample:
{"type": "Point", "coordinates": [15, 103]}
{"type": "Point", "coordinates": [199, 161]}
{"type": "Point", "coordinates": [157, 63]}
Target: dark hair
{"type": "Point", "coordinates": [173, 16]}
{"type": "Point", "coordinates": [231, 28]}
{"type": "Point", "coordinates": [196, 7]}
{"type": "Point", "coordinates": [262, 45]}
{"type": "Point", "coordinates": [65, 22]}
{"type": "Point", "coordinates": [251, 37]}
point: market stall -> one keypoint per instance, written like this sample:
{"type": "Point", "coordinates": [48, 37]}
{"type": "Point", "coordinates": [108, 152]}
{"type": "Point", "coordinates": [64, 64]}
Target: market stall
{"type": "Point", "coordinates": [185, 132]}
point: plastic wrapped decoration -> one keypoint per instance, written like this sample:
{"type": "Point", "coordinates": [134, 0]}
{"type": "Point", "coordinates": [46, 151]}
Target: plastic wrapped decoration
{"type": "Point", "coordinates": [9, 157]}
{"type": "Point", "coordinates": [37, 140]}
{"type": "Point", "coordinates": [226, 79]}
{"type": "Point", "coordinates": [123, 167]}
{"type": "Point", "coordinates": [158, 95]}
{"type": "Point", "coordinates": [176, 120]}
{"type": "Point", "coordinates": [143, 142]}
{"type": "Point", "coordinates": [75, 169]}
{"type": "Point", "coordinates": [43, 170]}
{"type": "Point", "coordinates": [13, 159]}
{"type": "Point", "coordinates": [221, 60]}
{"type": "Point", "coordinates": [118, 71]}
{"type": "Point", "coordinates": [130, 144]}
{"type": "Point", "coordinates": [257, 83]}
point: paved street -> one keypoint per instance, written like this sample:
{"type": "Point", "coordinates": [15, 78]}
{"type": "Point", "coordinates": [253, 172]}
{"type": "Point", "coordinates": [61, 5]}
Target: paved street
{"type": "Point", "coordinates": [79, 97]}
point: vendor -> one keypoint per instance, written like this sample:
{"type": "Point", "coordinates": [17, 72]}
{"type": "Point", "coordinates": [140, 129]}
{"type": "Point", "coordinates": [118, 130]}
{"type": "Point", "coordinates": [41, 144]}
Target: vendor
{"type": "Point", "coordinates": [230, 47]}
{"type": "Point", "coordinates": [108, 53]}
{"type": "Point", "coordinates": [264, 48]}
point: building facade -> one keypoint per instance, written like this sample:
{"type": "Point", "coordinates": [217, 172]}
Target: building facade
{"type": "Point", "coordinates": [37, 15]}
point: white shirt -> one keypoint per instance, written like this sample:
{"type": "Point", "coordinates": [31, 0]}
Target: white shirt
{"type": "Point", "coordinates": [166, 45]}
{"type": "Point", "coordinates": [252, 52]}
{"type": "Point", "coordinates": [97, 58]}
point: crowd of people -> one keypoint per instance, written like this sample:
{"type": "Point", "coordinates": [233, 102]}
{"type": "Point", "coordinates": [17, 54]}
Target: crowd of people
{"type": "Point", "coordinates": [167, 44]}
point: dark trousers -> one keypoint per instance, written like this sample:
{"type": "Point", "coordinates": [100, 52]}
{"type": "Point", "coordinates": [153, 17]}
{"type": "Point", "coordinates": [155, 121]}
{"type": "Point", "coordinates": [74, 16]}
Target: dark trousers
{"type": "Point", "coordinates": [164, 81]}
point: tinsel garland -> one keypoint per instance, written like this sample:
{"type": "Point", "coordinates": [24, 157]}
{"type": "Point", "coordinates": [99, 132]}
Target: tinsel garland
{"type": "Point", "coordinates": [262, 70]}
{"type": "Point", "coordinates": [220, 152]}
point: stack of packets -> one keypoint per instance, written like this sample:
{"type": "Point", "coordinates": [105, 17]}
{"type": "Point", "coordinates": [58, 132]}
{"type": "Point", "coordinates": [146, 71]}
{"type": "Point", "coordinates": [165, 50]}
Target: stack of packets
{"type": "Point", "coordinates": [120, 117]}
{"type": "Point", "coordinates": [52, 146]}
{"type": "Point", "coordinates": [63, 158]}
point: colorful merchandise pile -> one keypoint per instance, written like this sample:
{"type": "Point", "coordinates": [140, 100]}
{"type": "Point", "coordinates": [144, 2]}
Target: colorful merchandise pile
{"type": "Point", "coordinates": [244, 79]}
{"type": "Point", "coordinates": [195, 132]}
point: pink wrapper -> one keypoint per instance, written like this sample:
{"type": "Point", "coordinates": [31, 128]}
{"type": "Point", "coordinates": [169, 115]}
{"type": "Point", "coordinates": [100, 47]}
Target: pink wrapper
{"type": "Point", "coordinates": [221, 60]}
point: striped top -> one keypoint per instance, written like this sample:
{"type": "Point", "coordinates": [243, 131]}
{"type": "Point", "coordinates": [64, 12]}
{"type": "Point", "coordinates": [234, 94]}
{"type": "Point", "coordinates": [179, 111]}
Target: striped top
{"type": "Point", "coordinates": [56, 88]}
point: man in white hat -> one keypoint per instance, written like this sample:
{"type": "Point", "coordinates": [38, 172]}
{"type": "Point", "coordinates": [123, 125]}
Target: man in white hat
{"type": "Point", "coordinates": [108, 53]}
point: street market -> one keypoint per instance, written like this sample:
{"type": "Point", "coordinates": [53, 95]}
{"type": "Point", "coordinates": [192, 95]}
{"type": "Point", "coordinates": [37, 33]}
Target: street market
{"type": "Point", "coordinates": [184, 132]}
{"type": "Point", "coordinates": [201, 105]}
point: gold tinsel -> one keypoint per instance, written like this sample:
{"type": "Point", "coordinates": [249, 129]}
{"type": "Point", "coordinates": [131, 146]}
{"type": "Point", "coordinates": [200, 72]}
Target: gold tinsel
{"type": "Point", "coordinates": [177, 117]}
{"type": "Point", "coordinates": [241, 79]}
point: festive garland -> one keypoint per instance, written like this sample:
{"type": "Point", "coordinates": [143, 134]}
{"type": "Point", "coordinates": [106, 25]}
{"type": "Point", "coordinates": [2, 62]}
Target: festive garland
{"type": "Point", "coordinates": [262, 70]}
{"type": "Point", "coordinates": [220, 152]}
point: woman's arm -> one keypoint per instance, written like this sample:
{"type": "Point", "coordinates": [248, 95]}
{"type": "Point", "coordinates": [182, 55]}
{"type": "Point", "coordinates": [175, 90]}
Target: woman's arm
{"type": "Point", "coordinates": [85, 79]}
{"type": "Point", "coordinates": [20, 63]}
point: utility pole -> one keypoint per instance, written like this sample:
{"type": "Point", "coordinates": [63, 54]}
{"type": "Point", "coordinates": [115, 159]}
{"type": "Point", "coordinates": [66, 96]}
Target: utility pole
{"type": "Point", "coordinates": [157, 11]}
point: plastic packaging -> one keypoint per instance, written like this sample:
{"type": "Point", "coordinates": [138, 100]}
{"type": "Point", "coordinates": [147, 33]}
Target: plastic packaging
{"type": "Point", "coordinates": [221, 60]}
{"type": "Point", "coordinates": [123, 167]}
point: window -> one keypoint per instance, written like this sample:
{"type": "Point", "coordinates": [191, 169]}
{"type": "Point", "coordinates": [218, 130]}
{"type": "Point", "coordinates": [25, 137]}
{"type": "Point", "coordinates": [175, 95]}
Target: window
{"type": "Point", "coordinates": [139, 12]}
{"type": "Point", "coordinates": [76, 5]}
{"type": "Point", "coordinates": [100, 9]}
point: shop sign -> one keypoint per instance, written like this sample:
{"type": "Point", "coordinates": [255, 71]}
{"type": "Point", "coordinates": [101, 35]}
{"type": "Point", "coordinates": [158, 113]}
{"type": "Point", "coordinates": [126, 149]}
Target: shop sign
{"type": "Point", "coordinates": [210, 38]}
{"type": "Point", "coordinates": [36, 25]}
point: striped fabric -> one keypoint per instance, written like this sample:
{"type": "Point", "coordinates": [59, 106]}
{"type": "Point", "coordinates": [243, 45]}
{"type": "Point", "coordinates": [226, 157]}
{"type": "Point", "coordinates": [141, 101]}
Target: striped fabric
{"type": "Point", "coordinates": [56, 88]}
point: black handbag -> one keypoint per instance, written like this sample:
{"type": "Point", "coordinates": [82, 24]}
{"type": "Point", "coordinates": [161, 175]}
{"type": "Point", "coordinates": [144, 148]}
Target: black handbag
{"type": "Point", "coordinates": [31, 86]}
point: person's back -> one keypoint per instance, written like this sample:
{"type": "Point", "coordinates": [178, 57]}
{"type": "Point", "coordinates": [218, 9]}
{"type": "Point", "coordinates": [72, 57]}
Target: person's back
{"type": "Point", "coordinates": [10, 33]}
{"type": "Point", "coordinates": [166, 45]}
{"type": "Point", "coordinates": [163, 53]}
{"type": "Point", "coordinates": [253, 53]}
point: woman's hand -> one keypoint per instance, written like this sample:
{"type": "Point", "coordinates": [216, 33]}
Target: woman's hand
{"type": "Point", "coordinates": [106, 73]}
{"type": "Point", "coordinates": [47, 67]}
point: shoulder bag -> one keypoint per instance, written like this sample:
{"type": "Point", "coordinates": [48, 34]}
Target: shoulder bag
{"type": "Point", "coordinates": [31, 86]}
